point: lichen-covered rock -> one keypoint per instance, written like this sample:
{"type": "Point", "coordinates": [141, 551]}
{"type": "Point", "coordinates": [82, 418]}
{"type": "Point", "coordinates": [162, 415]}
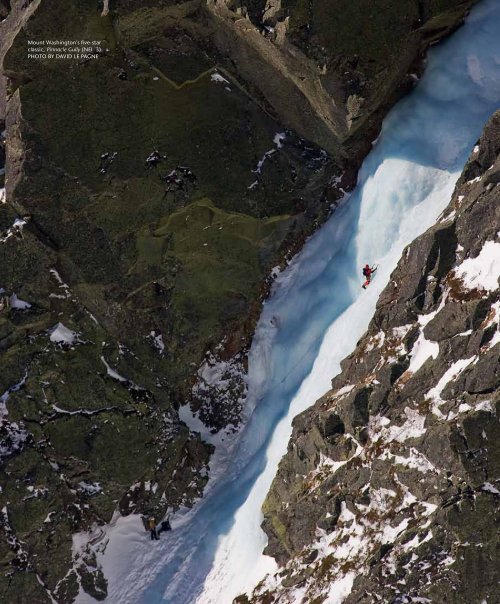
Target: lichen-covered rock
{"type": "Point", "coordinates": [393, 477]}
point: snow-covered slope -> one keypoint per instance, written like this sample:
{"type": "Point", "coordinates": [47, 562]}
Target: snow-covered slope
{"type": "Point", "coordinates": [404, 185]}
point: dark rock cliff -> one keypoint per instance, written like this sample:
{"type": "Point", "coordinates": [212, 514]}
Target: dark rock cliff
{"type": "Point", "coordinates": [149, 194]}
{"type": "Point", "coordinates": [390, 489]}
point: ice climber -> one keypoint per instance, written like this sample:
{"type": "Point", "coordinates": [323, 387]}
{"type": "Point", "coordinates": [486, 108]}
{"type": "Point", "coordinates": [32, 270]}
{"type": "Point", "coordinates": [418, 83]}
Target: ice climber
{"type": "Point", "coordinates": [367, 273]}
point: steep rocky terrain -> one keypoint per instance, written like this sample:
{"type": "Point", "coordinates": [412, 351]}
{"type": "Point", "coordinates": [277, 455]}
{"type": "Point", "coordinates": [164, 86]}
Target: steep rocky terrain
{"type": "Point", "coordinates": [150, 192]}
{"type": "Point", "coordinates": [390, 489]}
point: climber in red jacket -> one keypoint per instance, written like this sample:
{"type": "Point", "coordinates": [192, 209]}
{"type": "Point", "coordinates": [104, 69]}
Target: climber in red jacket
{"type": "Point", "coordinates": [367, 273]}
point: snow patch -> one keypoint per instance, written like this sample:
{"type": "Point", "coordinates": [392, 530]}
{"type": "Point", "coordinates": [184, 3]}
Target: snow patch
{"type": "Point", "coordinates": [489, 488]}
{"type": "Point", "coordinates": [450, 375]}
{"type": "Point", "coordinates": [15, 230]}
{"type": "Point", "coordinates": [112, 373]}
{"type": "Point", "coordinates": [89, 488]}
{"type": "Point", "coordinates": [60, 334]}
{"type": "Point", "coordinates": [216, 77]}
{"type": "Point", "coordinates": [340, 589]}
{"type": "Point", "coordinates": [344, 390]}
{"type": "Point", "coordinates": [482, 272]}
{"type": "Point", "coordinates": [5, 396]}
{"type": "Point", "coordinates": [17, 303]}
{"type": "Point", "coordinates": [413, 427]}
{"type": "Point", "coordinates": [375, 341]}
{"type": "Point", "coordinates": [422, 350]}
{"type": "Point", "coordinates": [66, 293]}
{"type": "Point", "coordinates": [194, 423]}
{"type": "Point", "coordinates": [157, 339]}
{"type": "Point", "coordinates": [401, 331]}
{"type": "Point", "coordinates": [484, 406]}
{"type": "Point", "coordinates": [415, 460]}
{"type": "Point", "coordinates": [14, 434]}
{"type": "Point", "coordinates": [278, 139]}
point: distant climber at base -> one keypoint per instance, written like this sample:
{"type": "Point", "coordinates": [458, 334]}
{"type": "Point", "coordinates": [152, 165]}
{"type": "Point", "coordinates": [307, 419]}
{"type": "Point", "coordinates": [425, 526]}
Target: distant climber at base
{"type": "Point", "coordinates": [152, 529]}
{"type": "Point", "coordinates": [367, 273]}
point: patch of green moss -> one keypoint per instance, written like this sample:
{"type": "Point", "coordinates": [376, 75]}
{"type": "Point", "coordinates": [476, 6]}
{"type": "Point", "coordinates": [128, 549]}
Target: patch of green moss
{"type": "Point", "coordinates": [220, 255]}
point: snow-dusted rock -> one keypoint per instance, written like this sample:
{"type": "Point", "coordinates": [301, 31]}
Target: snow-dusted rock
{"type": "Point", "coordinates": [389, 490]}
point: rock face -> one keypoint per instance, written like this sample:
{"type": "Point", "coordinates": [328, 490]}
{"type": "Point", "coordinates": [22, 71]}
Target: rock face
{"type": "Point", "coordinates": [333, 68]}
{"type": "Point", "coordinates": [390, 488]}
{"type": "Point", "coordinates": [149, 194]}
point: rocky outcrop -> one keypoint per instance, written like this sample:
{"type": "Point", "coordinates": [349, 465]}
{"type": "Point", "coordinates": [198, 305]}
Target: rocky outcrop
{"type": "Point", "coordinates": [331, 70]}
{"type": "Point", "coordinates": [150, 192]}
{"type": "Point", "coordinates": [390, 488]}
{"type": "Point", "coordinates": [290, 81]}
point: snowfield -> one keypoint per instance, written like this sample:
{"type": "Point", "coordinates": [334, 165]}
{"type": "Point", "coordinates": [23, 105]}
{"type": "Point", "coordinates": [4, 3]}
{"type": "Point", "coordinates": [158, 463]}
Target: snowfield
{"type": "Point", "coordinates": [313, 319]}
